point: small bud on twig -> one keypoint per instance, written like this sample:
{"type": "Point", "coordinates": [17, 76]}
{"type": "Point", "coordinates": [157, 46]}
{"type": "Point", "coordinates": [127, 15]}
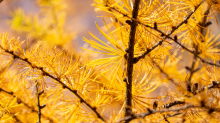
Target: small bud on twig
{"type": "Point", "coordinates": [135, 60]}
{"type": "Point", "coordinates": [127, 50]}
{"type": "Point", "coordinates": [187, 68]}
{"type": "Point", "coordinates": [155, 105]}
{"type": "Point", "coordinates": [195, 87]}
{"type": "Point", "coordinates": [189, 88]}
{"type": "Point", "coordinates": [208, 24]}
{"type": "Point", "coordinates": [155, 25]}
{"type": "Point", "coordinates": [149, 110]}
{"type": "Point", "coordinates": [211, 110]}
{"type": "Point", "coordinates": [215, 84]}
{"type": "Point", "coordinates": [128, 22]}
{"type": "Point", "coordinates": [42, 106]}
{"type": "Point", "coordinates": [175, 38]}
{"type": "Point", "coordinates": [41, 92]}
{"type": "Point", "coordinates": [173, 27]}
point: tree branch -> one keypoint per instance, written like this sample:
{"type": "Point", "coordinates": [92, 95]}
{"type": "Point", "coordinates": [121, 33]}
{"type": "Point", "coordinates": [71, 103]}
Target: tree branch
{"type": "Point", "coordinates": [133, 25]}
{"type": "Point", "coordinates": [177, 109]}
{"type": "Point", "coordinates": [165, 36]}
{"type": "Point", "coordinates": [168, 35]}
{"type": "Point", "coordinates": [214, 84]}
{"type": "Point", "coordinates": [38, 101]}
{"type": "Point", "coordinates": [152, 111]}
{"type": "Point", "coordinates": [196, 55]}
{"type": "Point", "coordinates": [192, 71]}
{"type": "Point", "coordinates": [16, 119]}
{"type": "Point", "coordinates": [45, 73]}
{"type": "Point", "coordinates": [168, 116]}
{"type": "Point", "coordinates": [172, 104]}
{"type": "Point", "coordinates": [136, 59]}
{"type": "Point", "coordinates": [167, 76]}
{"type": "Point", "coordinates": [165, 118]}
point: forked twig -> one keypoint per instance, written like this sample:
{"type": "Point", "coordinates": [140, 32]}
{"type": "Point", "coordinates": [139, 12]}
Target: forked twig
{"type": "Point", "coordinates": [30, 107]}
{"type": "Point", "coordinates": [38, 101]}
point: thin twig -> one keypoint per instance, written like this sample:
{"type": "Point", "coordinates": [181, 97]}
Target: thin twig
{"type": "Point", "coordinates": [168, 116]}
{"type": "Point", "coordinates": [136, 59]}
{"type": "Point", "coordinates": [133, 19]}
{"type": "Point", "coordinates": [203, 23]}
{"type": "Point", "coordinates": [195, 46]}
{"type": "Point", "coordinates": [128, 97]}
{"type": "Point", "coordinates": [202, 59]}
{"type": "Point", "coordinates": [38, 101]}
{"type": "Point", "coordinates": [45, 73]}
{"type": "Point", "coordinates": [152, 111]}
{"type": "Point", "coordinates": [116, 19]}
{"type": "Point", "coordinates": [10, 93]}
{"type": "Point", "coordinates": [165, 118]}
{"type": "Point", "coordinates": [30, 107]}
{"type": "Point", "coordinates": [16, 118]}
{"type": "Point", "coordinates": [214, 84]}
{"type": "Point", "coordinates": [170, 79]}
{"type": "Point", "coordinates": [38, 104]}
{"type": "Point", "coordinates": [172, 104]}
{"type": "Point", "coordinates": [177, 109]}
{"type": "Point", "coordinates": [167, 76]}
{"type": "Point", "coordinates": [168, 35]}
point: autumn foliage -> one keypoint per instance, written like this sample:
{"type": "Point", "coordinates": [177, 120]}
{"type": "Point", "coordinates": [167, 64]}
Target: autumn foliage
{"type": "Point", "coordinates": [159, 63]}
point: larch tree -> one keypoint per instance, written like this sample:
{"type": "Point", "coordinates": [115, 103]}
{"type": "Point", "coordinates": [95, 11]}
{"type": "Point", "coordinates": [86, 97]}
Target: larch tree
{"type": "Point", "coordinates": [159, 63]}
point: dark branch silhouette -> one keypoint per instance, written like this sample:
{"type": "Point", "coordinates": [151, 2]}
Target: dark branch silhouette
{"type": "Point", "coordinates": [128, 98]}
{"type": "Point", "coordinates": [38, 101]}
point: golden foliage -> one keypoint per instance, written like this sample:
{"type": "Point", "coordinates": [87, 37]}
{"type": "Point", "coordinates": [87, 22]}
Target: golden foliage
{"type": "Point", "coordinates": [172, 70]}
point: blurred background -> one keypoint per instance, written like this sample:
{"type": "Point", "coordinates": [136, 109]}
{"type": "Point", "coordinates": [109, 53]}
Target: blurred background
{"type": "Point", "coordinates": [80, 18]}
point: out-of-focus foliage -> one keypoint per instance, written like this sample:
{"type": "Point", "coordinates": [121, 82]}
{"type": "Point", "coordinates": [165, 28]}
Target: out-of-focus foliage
{"type": "Point", "coordinates": [76, 88]}
{"type": "Point", "coordinates": [48, 25]}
